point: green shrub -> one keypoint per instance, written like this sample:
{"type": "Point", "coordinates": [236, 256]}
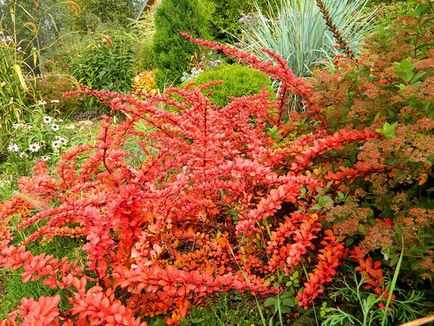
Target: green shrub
{"type": "Point", "coordinates": [51, 88]}
{"type": "Point", "coordinates": [172, 52]}
{"type": "Point", "coordinates": [105, 63]}
{"type": "Point", "coordinates": [238, 81]}
{"type": "Point", "coordinates": [390, 92]}
{"type": "Point", "coordinates": [145, 57]}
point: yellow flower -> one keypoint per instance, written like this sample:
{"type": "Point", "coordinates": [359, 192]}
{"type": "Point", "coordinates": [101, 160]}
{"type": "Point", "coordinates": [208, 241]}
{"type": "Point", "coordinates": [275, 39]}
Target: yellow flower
{"type": "Point", "coordinates": [144, 83]}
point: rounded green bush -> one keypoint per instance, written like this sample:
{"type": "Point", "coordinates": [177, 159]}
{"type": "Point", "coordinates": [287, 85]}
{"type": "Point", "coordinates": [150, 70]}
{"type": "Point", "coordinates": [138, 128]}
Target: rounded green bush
{"type": "Point", "coordinates": [237, 80]}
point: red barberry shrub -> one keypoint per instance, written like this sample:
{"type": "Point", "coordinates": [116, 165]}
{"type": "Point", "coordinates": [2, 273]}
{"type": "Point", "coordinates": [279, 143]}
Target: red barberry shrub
{"type": "Point", "coordinates": [184, 199]}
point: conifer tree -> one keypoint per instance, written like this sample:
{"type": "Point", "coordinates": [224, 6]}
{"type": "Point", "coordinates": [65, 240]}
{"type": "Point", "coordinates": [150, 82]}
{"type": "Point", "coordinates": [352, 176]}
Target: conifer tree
{"type": "Point", "coordinates": [174, 53]}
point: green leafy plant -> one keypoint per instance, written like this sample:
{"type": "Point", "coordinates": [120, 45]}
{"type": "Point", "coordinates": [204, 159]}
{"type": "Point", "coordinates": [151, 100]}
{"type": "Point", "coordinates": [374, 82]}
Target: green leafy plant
{"type": "Point", "coordinates": [388, 130]}
{"type": "Point", "coordinates": [105, 62]}
{"type": "Point", "coordinates": [405, 71]}
{"type": "Point", "coordinates": [237, 80]}
{"type": "Point", "coordinates": [355, 306]}
{"type": "Point", "coordinates": [389, 90]}
{"type": "Point", "coordinates": [173, 53]}
{"type": "Point", "coordinates": [286, 301]}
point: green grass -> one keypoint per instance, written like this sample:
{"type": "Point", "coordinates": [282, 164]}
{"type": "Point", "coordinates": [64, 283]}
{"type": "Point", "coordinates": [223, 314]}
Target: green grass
{"type": "Point", "coordinates": [229, 309]}
{"type": "Point", "coordinates": [12, 289]}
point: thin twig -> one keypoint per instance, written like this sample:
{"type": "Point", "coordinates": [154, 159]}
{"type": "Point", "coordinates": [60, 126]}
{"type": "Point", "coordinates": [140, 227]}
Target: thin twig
{"type": "Point", "coordinates": [420, 321]}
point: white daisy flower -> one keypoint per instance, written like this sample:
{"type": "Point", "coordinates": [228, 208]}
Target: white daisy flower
{"type": "Point", "coordinates": [55, 127]}
{"type": "Point", "coordinates": [13, 148]}
{"type": "Point", "coordinates": [62, 140]}
{"type": "Point", "coordinates": [56, 144]}
{"type": "Point", "coordinates": [45, 158]}
{"type": "Point", "coordinates": [34, 147]}
{"type": "Point", "coordinates": [42, 102]}
{"type": "Point", "coordinates": [55, 101]}
{"type": "Point", "coordinates": [47, 119]}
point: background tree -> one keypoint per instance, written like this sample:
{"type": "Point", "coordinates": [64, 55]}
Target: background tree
{"type": "Point", "coordinates": [225, 23]}
{"type": "Point", "coordinates": [36, 26]}
{"type": "Point", "coordinates": [174, 53]}
{"type": "Point", "coordinates": [95, 12]}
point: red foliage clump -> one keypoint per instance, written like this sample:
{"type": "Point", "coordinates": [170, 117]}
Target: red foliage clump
{"type": "Point", "coordinates": [172, 204]}
{"type": "Point", "coordinates": [372, 274]}
{"type": "Point", "coordinates": [43, 311]}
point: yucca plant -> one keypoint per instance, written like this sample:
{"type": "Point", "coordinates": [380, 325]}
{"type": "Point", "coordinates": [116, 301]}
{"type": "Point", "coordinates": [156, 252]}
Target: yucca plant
{"type": "Point", "coordinates": [297, 30]}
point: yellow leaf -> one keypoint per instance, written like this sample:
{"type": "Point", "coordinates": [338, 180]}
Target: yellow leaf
{"type": "Point", "coordinates": [36, 203]}
{"type": "Point", "coordinates": [75, 7]}
{"type": "Point", "coordinates": [19, 73]}
{"type": "Point", "coordinates": [423, 179]}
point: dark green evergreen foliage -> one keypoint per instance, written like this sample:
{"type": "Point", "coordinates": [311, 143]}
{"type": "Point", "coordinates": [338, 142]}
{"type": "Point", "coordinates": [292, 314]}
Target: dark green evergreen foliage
{"type": "Point", "coordinates": [172, 52]}
{"type": "Point", "coordinates": [238, 81]}
{"type": "Point", "coordinates": [225, 22]}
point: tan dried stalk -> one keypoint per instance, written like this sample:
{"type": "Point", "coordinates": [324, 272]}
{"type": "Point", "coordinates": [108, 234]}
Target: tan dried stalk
{"type": "Point", "coordinates": [333, 28]}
